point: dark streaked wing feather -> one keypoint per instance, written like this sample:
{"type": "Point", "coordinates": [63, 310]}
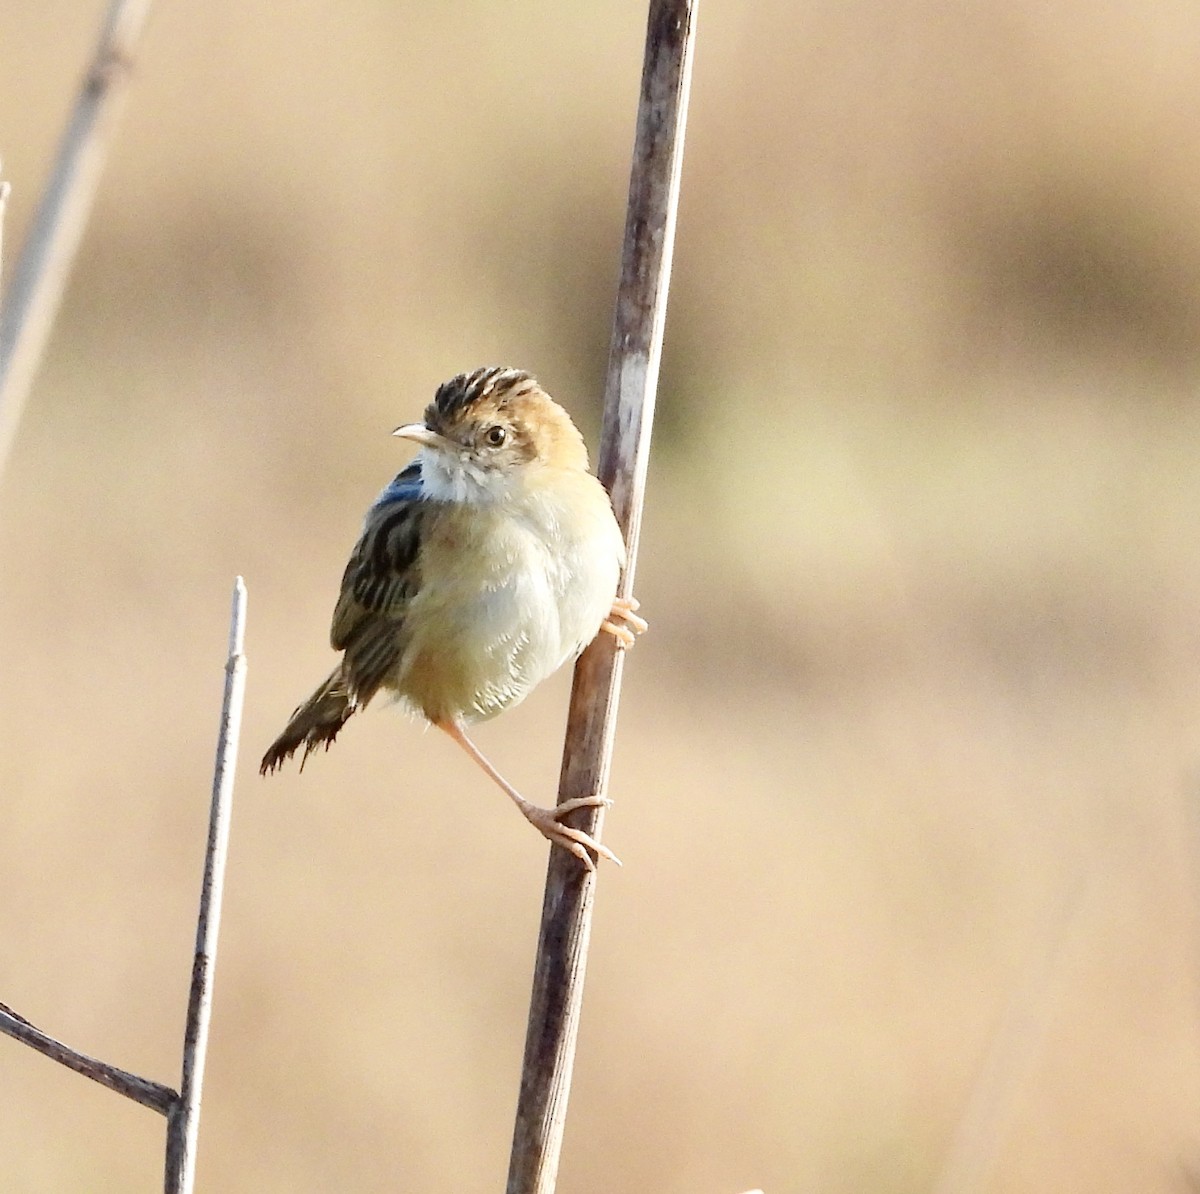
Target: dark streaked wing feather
{"type": "Point", "coordinates": [380, 580]}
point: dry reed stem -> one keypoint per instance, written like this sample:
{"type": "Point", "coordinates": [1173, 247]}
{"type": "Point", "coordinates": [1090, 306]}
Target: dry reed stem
{"type": "Point", "coordinates": [141, 1090]}
{"type": "Point", "coordinates": [183, 1123]}
{"type": "Point", "coordinates": [630, 388]}
{"type": "Point", "coordinates": [183, 1109]}
{"type": "Point", "coordinates": [32, 300]}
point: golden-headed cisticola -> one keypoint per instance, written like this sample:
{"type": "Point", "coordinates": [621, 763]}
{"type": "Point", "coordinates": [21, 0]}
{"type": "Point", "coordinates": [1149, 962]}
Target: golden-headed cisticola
{"type": "Point", "coordinates": [487, 564]}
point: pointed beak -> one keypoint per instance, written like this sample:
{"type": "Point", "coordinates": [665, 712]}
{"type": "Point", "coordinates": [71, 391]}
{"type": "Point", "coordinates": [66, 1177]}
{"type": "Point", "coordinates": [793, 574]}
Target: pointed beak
{"type": "Point", "coordinates": [420, 434]}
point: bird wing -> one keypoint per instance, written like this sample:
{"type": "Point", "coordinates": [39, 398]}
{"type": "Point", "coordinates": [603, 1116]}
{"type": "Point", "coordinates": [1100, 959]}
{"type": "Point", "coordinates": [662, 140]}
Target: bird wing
{"type": "Point", "coordinates": [381, 578]}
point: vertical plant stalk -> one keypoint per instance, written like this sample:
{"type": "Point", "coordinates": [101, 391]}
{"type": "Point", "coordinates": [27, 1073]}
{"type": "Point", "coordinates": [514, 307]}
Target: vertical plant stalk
{"type": "Point", "coordinates": [183, 1122]}
{"type": "Point", "coordinates": [32, 299]}
{"type": "Point", "coordinates": [630, 389]}
{"type": "Point", "coordinates": [183, 1109]}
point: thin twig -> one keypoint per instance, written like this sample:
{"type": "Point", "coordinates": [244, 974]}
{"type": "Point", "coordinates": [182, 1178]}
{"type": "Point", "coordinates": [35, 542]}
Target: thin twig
{"type": "Point", "coordinates": [591, 725]}
{"type": "Point", "coordinates": [183, 1125]}
{"type": "Point", "coordinates": [182, 1110]}
{"type": "Point", "coordinates": [141, 1090]}
{"type": "Point", "coordinates": [32, 301]}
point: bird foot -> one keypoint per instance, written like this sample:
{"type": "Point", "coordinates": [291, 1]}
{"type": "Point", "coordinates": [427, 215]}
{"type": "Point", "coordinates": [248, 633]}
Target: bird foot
{"type": "Point", "coordinates": [548, 822]}
{"type": "Point", "coordinates": [623, 623]}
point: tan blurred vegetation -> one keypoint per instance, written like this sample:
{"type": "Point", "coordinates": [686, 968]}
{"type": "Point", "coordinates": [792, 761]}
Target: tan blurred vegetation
{"type": "Point", "coordinates": [906, 775]}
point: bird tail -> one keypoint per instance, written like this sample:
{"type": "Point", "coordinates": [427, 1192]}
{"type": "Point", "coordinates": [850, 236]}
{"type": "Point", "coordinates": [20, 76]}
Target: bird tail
{"type": "Point", "coordinates": [315, 723]}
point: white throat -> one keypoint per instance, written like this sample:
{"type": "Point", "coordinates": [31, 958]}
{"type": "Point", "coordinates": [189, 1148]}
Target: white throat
{"type": "Point", "coordinates": [446, 478]}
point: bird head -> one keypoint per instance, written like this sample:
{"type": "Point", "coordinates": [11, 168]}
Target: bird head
{"type": "Point", "coordinates": [490, 431]}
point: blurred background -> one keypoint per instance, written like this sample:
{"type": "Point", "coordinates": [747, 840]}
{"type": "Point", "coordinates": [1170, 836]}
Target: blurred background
{"type": "Point", "coordinates": [907, 768]}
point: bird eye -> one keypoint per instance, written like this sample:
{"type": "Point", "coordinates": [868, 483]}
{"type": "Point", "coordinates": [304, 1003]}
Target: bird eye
{"type": "Point", "coordinates": [495, 435]}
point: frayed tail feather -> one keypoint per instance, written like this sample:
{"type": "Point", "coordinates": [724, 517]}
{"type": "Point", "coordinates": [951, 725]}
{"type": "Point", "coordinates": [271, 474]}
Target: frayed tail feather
{"type": "Point", "coordinates": [314, 724]}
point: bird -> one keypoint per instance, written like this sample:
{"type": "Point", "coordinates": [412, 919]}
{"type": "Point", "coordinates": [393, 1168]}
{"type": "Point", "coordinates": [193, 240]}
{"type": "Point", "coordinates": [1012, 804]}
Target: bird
{"type": "Point", "coordinates": [484, 566]}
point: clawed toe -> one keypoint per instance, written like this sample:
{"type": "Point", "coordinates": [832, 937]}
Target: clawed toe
{"type": "Point", "coordinates": [548, 822]}
{"type": "Point", "coordinates": [624, 636]}
{"type": "Point", "coordinates": [626, 608]}
{"type": "Point", "coordinates": [569, 806]}
{"type": "Point", "coordinates": [623, 622]}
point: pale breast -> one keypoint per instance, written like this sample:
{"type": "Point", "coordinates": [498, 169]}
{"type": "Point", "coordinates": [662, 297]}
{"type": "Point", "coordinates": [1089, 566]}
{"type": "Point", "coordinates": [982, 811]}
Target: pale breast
{"type": "Point", "coordinates": [508, 594]}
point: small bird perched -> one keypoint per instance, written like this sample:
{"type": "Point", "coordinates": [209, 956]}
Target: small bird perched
{"type": "Point", "coordinates": [484, 566]}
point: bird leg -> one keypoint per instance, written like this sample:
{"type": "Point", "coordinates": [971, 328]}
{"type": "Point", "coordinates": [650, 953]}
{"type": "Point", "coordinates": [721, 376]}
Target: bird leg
{"type": "Point", "coordinates": [547, 821]}
{"type": "Point", "coordinates": [623, 623]}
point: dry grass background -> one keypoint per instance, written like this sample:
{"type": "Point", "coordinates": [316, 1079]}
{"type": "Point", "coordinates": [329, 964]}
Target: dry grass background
{"type": "Point", "coordinates": [921, 705]}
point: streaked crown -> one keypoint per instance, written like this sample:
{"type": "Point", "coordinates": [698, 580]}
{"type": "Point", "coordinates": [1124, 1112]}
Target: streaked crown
{"type": "Point", "coordinates": [495, 382]}
{"type": "Point", "coordinates": [505, 416]}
